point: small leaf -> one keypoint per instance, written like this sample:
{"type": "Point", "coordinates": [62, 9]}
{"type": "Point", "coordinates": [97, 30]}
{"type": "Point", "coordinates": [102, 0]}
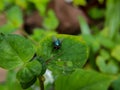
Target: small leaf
{"type": "Point", "coordinates": [14, 15]}
{"type": "Point", "coordinates": [15, 50]}
{"type": "Point", "coordinates": [116, 53]}
{"type": "Point", "coordinates": [107, 66]}
{"type": "Point", "coordinates": [27, 75]}
{"type": "Point", "coordinates": [29, 71]}
{"type": "Point", "coordinates": [51, 21]}
{"type": "Point", "coordinates": [72, 54]}
{"type": "Point", "coordinates": [83, 80]}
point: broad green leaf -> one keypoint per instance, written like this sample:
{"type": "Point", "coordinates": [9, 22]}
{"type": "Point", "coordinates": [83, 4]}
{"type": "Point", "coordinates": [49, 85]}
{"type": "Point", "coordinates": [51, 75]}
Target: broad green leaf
{"type": "Point", "coordinates": [116, 52]}
{"type": "Point", "coordinates": [27, 75]}
{"type": "Point", "coordinates": [72, 54]}
{"type": "Point", "coordinates": [107, 66]}
{"type": "Point", "coordinates": [50, 22]}
{"type": "Point", "coordinates": [15, 50]}
{"type": "Point", "coordinates": [14, 15]}
{"type": "Point", "coordinates": [83, 80]}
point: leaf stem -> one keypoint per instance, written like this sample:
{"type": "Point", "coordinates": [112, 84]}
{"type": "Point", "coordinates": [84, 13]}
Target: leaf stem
{"type": "Point", "coordinates": [41, 81]}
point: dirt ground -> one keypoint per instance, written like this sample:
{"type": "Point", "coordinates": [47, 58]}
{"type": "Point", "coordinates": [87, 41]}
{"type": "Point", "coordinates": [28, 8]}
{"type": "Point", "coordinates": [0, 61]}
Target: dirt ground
{"type": "Point", "coordinates": [2, 75]}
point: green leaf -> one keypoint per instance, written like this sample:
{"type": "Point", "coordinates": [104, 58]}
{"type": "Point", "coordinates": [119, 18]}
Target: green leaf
{"type": "Point", "coordinates": [116, 53]}
{"type": "Point", "coordinates": [113, 19]}
{"type": "Point", "coordinates": [72, 54]}
{"type": "Point", "coordinates": [92, 42]}
{"type": "Point", "coordinates": [116, 84]}
{"type": "Point", "coordinates": [29, 71]}
{"type": "Point", "coordinates": [107, 66]}
{"type": "Point", "coordinates": [96, 13]}
{"type": "Point", "coordinates": [50, 22]}
{"type": "Point", "coordinates": [2, 6]}
{"type": "Point", "coordinates": [41, 6]}
{"type": "Point", "coordinates": [84, 26]}
{"type": "Point", "coordinates": [7, 28]}
{"type": "Point", "coordinates": [15, 51]}
{"type": "Point", "coordinates": [39, 34]}
{"type": "Point", "coordinates": [105, 42]}
{"type": "Point", "coordinates": [83, 80]}
{"type": "Point", "coordinates": [14, 15]}
{"type": "Point", "coordinates": [79, 2]}
{"type": "Point", "coordinates": [27, 74]}
{"type": "Point", "coordinates": [21, 3]}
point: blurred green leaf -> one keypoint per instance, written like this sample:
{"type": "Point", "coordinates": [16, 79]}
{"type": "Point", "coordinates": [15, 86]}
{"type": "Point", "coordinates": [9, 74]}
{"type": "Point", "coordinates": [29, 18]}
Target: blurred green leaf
{"type": "Point", "coordinates": [2, 6]}
{"type": "Point", "coordinates": [79, 2]}
{"type": "Point", "coordinates": [113, 17]}
{"type": "Point", "coordinates": [92, 42]}
{"type": "Point", "coordinates": [116, 84]}
{"type": "Point", "coordinates": [21, 3]}
{"type": "Point", "coordinates": [105, 42]}
{"type": "Point", "coordinates": [83, 80]}
{"type": "Point", "coordinates": [101, 1]}
{"type": "Point", "coordinates": [14, 15]}
{"type": "Point", "coordinates": [15, 50]}
{"type": "Point", "coordinates": [39, 34]}
{"type": "Point", "coordinates": [84, 26]}
{"type": "Point", "coordinates": [116, 52]}
{"type": "Point", "coordinates": [107, 66]}
{"type": "Point", "coordinates": [50, 22]}
{"type": "Point", "coordinates": [72, 54]}
{"type": "Point", "coordinates": [41, 6]}
{"type": "Point", "coordinates": [96, 13]}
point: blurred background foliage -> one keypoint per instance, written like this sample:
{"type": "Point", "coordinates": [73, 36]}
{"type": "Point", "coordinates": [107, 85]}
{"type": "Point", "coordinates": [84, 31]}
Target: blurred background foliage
{"type": "Point", "coordinates": [97, 21]}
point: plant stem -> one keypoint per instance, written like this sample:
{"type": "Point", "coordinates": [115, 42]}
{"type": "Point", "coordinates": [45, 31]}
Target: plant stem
{"type": "Point", "coordinates": [41, 81]}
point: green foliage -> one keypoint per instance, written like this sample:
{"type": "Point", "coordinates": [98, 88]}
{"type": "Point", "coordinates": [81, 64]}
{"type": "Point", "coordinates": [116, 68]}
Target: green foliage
{"type": "Point", "coordinates": [40, 5]}
{"type": "Point", "coordinates": [83, 80]}
{"type": "Point", "coordinates": [27, 74]}
{"type": "Point", "coordinates": [39, 34]}
{"type": "Point", "coordinates": [79, 2]}
{"type": "Point", "coordinates": [116, 83]}
{"type": "Point", "coordinates": [14, 15]}
{"type": "Point", "coordinates": [116, 53]}
{"type": "Point", "coordinates": [20, 54]}
{"type": "Point", "coordinates": [14, 20]}
{"type": "Point", "coordinates": [50, 22]}
{"type": "Point", "coordinates": [15, 51]}
{"type": "Point", "coordinates": [113, 17]}
{"type": "Point", "coordinates": [72, 54]}
{"type": "Point", "coordinates": [84, 26]}
{"type": "Point", "coordinates": [96, 13]}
